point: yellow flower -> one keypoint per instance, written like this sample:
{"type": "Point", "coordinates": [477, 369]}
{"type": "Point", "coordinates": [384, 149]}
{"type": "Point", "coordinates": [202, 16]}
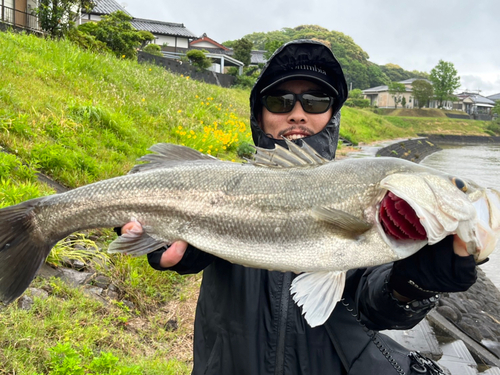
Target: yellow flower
{"type": "Point", "coordinates": [149, 69]}
{"type": "Point", "coordinates": [187, 77]}
{"type": "Point", "coordinates": [196, 96]}
{"type": "Point", "coordinates": [143, 99]}
{"type": "Point", "coordinates": [179, 111]}
{"type": "Point", "coordinates": [201, 150]}
{"type": "Point", "coordinates": [182, 75]}
{"type": "Point", "coordinates": [179, 127]}
{"type": "Point", "coordinates": [123, 56]}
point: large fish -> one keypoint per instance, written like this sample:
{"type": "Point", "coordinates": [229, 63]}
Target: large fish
{"type": "Point", "coordinates": [288, 210]}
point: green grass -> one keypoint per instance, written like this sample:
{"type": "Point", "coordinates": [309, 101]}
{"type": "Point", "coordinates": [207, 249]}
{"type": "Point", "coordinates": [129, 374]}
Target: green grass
{"type": "Point", "coordinates": [82, 117]}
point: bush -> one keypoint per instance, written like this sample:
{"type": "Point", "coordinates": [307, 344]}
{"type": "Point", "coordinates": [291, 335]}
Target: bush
{"type": "Point", "coordinates": [116, 31]}
{"type": "Point", "coordinates": [360, 103]}
{"type": "Point", "coordinates": [87, 41]}
{"type": "Point", "coordinates": [153, 49]}
{"type": "Point", "coordinates": [198, 59]}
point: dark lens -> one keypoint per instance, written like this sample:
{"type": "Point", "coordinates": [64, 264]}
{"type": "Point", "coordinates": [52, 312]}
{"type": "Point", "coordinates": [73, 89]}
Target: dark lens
{"type": "Point", "coordinates": [316, 103]}
{"type": "Point", "coordinates": [279, 103]}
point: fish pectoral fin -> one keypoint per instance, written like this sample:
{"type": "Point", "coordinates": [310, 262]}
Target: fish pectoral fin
{"type": "Point", "coordinates": [318, 293]}
{"type": "Point", "coordinates": [135, 244]}
{"type": "Point", "coordinates": [342, 220]}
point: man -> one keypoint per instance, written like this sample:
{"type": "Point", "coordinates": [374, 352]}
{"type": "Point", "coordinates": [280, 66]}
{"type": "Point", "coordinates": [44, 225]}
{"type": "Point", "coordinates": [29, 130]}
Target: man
{"type": "Point", "coordinates": [246, 321]}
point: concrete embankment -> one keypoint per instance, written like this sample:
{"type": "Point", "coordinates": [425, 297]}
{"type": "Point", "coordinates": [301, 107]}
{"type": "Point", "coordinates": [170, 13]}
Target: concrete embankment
{"type": "Point", "coordinates": [472, 316]}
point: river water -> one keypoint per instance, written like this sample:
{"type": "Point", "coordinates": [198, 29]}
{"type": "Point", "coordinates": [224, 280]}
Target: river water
{"type": "Point", "coordinates": [480, 163]}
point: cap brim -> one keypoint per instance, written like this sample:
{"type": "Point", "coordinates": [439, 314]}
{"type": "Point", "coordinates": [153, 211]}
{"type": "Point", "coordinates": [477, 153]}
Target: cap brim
{"type": "Point", "coordinates": [308, 76]}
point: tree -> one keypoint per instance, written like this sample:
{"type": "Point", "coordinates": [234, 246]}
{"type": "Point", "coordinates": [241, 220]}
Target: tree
{"type": "Point", "coordinates": [198, 59]}
{"type": "Point", "coordinates": [271, 46]}
{"type": "Point", "coordinates": [422, 92]}
{"type": "Point", "coordinates": [396, 89]}
{"type": "Point", "coordinates": [243, 51]}
{"type": "Point", "coordinates": [57, 17]}
{"type": "Point", "coordinates": [116, 31]}
{"type": "Point", "coordinates": [445, 80]}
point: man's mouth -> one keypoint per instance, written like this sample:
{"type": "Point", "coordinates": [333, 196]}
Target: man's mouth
{"type": "Point", "coordinates": [295, 133]}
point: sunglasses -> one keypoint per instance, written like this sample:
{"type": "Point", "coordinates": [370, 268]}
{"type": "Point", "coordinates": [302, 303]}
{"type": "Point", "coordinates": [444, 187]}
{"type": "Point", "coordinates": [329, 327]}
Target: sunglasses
{"type": "Point", "coordinates": [311, 102]}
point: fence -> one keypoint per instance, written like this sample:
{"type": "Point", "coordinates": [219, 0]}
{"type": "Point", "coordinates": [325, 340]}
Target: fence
{"type": "Point", "coordinates": [19, 19]}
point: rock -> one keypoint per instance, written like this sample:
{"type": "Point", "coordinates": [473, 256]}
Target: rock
{"type": "Point", "coordinates": [112, 294]}
{"type": "Point", "coordinates": [129, 304]}
{"type": "Point", "coordinates": [449, 313]}
{"type": "Point", "coordinates": [78, 264]}
{"type": "Point", "coordinates": [101, 281]}
{"type": "Point", "coordinates": [469, 326]}
{"type": "Point", "coordinates": [74, 278]}
{"type": "Point", "coordinates": [171, 325]}
{"type": "Point", "coordinates": [39, 293]}
{"type": "Point", "coordinates": [24, 303]}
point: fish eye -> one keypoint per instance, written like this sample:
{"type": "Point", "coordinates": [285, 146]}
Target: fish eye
{"type": "Point", "coordinates": [460, 184]}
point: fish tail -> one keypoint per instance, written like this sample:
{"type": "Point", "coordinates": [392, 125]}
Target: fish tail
{"type": "Point", "coordinates": [22, 250]}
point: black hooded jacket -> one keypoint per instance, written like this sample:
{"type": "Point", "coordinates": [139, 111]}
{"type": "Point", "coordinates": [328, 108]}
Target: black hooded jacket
{"type": "Point", "coordinates": [246, 321]}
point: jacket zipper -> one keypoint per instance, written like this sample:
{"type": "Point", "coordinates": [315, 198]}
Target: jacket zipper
{"type": "Point", "coordinates": [283, 316]}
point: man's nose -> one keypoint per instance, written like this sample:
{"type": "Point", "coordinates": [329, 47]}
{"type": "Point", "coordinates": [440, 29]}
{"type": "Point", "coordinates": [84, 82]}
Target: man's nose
{"type": "Point", "coordinates": [297, 114]}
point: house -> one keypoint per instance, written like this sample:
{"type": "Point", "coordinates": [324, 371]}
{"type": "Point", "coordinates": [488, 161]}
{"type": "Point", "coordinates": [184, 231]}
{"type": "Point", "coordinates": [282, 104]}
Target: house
{"type": "Point", "coordinates": [379, 96]}
{"type": "Point", "coordinates": [220, 54]}
{"type": "Point", "coordinates": [171, 36]}
{"type": "Point", "coordinates": [19, 13]}
{"type": "Point", "coordinates": [495, 97]}
{"type": "Point", "coordinates": [207, 43]}
{"type": "Point", "coordinates": [102, 8]}
{"type": "Point", "coordinates": [477, 106]}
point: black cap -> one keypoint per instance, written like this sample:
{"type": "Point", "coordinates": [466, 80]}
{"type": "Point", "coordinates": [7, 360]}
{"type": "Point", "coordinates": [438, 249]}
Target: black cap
{"type": "Point", "coordinates": [313, 73]}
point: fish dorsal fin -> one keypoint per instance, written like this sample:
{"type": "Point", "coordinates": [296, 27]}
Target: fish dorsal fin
{"type": "Point", "coordinates": [318, 293]}
{"type": "Point", "coordinates": [165, 154]}
{"type": "Point", "coordinates": [294, 156]}
{"type": "Point", "coordinates": [351, 225]}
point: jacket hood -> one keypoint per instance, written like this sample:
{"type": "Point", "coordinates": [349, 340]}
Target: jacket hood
{"type": "Point", "coordinates": [287, 58]}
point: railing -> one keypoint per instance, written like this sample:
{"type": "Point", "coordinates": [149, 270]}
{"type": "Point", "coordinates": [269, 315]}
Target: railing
{"type": "Point", "coordinates": [18, 18]}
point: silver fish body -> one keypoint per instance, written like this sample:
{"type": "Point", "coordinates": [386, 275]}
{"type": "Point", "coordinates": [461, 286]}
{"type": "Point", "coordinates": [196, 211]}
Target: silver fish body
{"type": "Point", "coordinates": [314, 217]}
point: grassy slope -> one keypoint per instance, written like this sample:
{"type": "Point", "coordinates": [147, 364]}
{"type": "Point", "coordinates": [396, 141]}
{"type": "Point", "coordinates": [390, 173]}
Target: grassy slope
{"type": "Point", "coordinates": [82, 117]}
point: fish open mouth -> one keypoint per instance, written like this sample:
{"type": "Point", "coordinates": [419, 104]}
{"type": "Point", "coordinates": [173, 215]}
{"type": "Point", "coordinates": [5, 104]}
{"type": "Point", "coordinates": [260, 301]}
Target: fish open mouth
{"type": "Point", "coordinates": [399, 220]}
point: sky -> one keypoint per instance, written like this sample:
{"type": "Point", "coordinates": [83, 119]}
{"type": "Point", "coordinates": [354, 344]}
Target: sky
{"type": "Point", "coordinates": [412, 34]}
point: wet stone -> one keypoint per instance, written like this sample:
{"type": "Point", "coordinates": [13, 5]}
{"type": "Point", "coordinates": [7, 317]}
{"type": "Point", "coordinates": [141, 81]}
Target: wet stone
{"type": "Point", "coordinates": [449, 313]}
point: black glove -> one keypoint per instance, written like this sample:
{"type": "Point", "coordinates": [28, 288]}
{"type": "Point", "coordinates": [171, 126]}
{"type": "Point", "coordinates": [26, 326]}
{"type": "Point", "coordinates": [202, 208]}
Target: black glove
{"type": "Point", "coordinates": [433, 269]}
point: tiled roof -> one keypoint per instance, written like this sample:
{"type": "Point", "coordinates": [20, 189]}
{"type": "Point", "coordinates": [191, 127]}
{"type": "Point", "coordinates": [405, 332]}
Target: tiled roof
{"type": "Point", "coordinates": [494, 97]}
{"type": "Point", "coordinates": [163, 28]}
{"type": "Point", "coordinates": [482, 100]}
{"type": "Point", "coordinates": [107, 7]}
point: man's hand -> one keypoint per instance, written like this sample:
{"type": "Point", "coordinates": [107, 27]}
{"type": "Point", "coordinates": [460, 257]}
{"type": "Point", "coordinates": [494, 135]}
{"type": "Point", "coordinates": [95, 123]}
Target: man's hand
{"type": "Point", "coordinates": [443, 267]}
{"type": "Point", "coordinates": [171, 256]}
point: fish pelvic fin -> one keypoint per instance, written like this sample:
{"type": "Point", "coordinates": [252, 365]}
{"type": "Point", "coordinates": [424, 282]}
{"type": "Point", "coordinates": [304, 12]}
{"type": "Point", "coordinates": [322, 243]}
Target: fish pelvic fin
{"type": "Point", "coordinates": [166, 155]}
{"type": "Point", "coordinates": [318, 293]}
{"type": "Point", "coordinates": [22, 251]}
{"type": "Point", "coordinates": [135, 244]}
{"type": "Point", "coordinates": [294, 156]}
{"type": "Point", "coordinates": [351, 225]}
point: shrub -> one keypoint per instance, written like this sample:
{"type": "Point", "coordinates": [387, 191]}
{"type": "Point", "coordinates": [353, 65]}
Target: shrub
{"type": "Point", "coordinates": [87, 41]}
{"type": "Point", "coordinates": [360, 103]}
{"type": "Point", "coordinates": [153, 49]}
{"type": "Point", "coordinates": [198, 59]}
{"type": "Point", "coordinates": [116, 31]}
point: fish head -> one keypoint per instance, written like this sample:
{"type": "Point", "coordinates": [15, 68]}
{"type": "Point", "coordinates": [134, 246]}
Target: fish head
{"type": "Point", "coordinates": [443, 205]}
